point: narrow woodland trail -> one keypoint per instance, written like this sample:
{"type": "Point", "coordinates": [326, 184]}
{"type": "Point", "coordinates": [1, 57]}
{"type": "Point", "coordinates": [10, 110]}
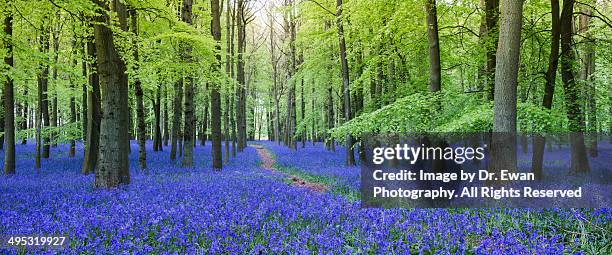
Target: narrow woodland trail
{"type": "Point", "coordinates": [268, 163]}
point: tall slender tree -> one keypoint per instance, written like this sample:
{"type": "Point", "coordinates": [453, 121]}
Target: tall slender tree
{"type": "Point", "coordinates": [491, 37]}
{"type": "Point", "coordinates": [228, 66]}
{"type": "Point", "coordinates": [215, 96]}
{"type": "Point", "coordinates": [9, 99]}
{"type": "Point", "coordinates": [73, 113]}
{"type": "Point", "coordinates": [275, 87]}
{"type": "Point", "coordinates": [176, 118]}
{"type": "Point", "coordinates": [579, 161]}
{"type": "Point", "coordinates": [157, 137]}
{"type": "Point", "coordinates": [189, 126]}
{"type": "Point", "coordinates": [350, 157]}
{"type": "Point", "coordinates": [240, 77]}
{"type": "Point", "coordinates": [586, 76]}
{"type": "Point", "coordinates": [204, 134]}
{"type": "Point", "coordinates": [434, 47]}
{"type": "Point", "coordinates": [25, 117]}
{"type": "Point", "coordinates": [506, 81]}
{"type": "Point", "coordinates": [166, 117]}
{"type": "Point", "coordinates": [84, 99]}
{"type": "Point", "coordinates": [140, 114]}
{"type": "Point", "coordinates": [549, 89]}
{"type": "Point", "coordinates": [43, 94]}
{"type": "Point", "coordinates": [92, 141]}
{"type": "Point", "coordinates": [42, 116]}
{"type": "Point", "coordinates": [53, 134]}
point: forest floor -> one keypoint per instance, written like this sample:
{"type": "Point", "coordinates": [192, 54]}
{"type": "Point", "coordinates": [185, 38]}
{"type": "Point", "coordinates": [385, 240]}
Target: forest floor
{"type": "Point", "coordinates": [247, 208]}
{"type": "Point", "coordinates": [268, 162]}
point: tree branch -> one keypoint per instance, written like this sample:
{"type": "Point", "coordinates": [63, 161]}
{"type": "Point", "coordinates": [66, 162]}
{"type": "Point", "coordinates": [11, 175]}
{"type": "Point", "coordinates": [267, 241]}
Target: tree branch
{"type": "Point", "coordinates": [322, 7]}
{"type": "Point", "coordinates": [595, 16]}
{"type": "Point", "coordinates": [460, 26]}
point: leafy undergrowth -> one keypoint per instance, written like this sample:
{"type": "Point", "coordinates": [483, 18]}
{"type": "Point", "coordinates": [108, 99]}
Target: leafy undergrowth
{"type": "Point", "coordinates": [445, 112]}
{"type": "Point", "coordinates": [248, 210]}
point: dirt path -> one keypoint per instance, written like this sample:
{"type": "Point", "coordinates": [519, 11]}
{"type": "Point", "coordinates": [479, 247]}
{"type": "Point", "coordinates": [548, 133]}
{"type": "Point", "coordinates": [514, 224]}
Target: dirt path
{"type": "Point", "coordinates": [268, 163]}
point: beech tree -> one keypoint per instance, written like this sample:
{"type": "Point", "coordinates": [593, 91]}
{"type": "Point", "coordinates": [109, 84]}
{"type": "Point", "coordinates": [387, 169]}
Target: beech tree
{"type": "Point", "coordinates": [92, 140]}
{"type": "Point", "coordinates": [113, 165]}
{"type": "Point", "coordinates": [575, 116]}
{"type": "Point", "coordinates": [215, 96]}
{"type": "Point", "coordinates": [140, 113]}
{"type": "Point", "coordinates": [434, 47]}
{"type": "Point", "coordinates": [189, 126]}
{"type": "Point", "coordinates": [9, 99]}
{"type": "Point", "coordinates": [506, 82]}
{"type": "Point", "coordinates": [350, 158]}
{"type": "Point", "coordinates": [549, 88]}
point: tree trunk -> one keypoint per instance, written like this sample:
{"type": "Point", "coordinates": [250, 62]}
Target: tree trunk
{"type": "Point", "coordinates": [579, 161]}
{"type": "Point", "coordinates": [275, 89]}
{"type": "Point", "coordinates": [166, 118]}
{"type": "Point", "coordinates": [26, 116]}
{"type": "Point", "coordinates": [434, 47]}
{"type": "Point", "coordinates": [233, 104]}
{"type": "Point", "coordinates": [157, 137]}
{"type": "Point", "coordinates": [176, 117]}
{"type": "Point", "coordinates": [228, 65]}
{"type": "Point", "coordinates": [350, 157]}
{"type": "Point", "coordinates": [189, 126]}
{"type": "Point", "coordinates": [491, 37]}
{"type": "Point", "coordinates": [313, 119]}
{"type": "Point", "coordinates": [549, 89]}
{"type": "Point", "coordinates": [92, 142]}
{"type": "Point", "coordinates": [140, 114]}
{"type": "Point", "coordinates": [42, 116]}
{"type": "Point", "coordinates": [215, 96]}
{"type": "Point", "coordinates": [42, 94]}
{"type": "Point", "coordinates": [330, 117]}
{"type": "Point", "coordinates": [54, 111]}
{"type": "Point", "coordinates": [240, 89]}
{"type": "Point", "coordinates": [73, 112]}
{"type": "Point", "coordinates": [84, 100]}
{"type": "Point", "coordinates": [303, 114]}
{"type": "Point", "coordinates": [9, 99]}
{"type": "Point", "coordinates": [204, 135]}
{"type": "Point", "coordinates": [113, 164]}
{"type": "Point", "coordinates": [586, 75]}
{"type": "Point", "coordinates": [503, 150]}
{"type": "Point", "coordinates": [290, 121]}
{"type": "Point", "coordinates": [233, 124]}
{"type": "Point", "coordinates": [553, 59]}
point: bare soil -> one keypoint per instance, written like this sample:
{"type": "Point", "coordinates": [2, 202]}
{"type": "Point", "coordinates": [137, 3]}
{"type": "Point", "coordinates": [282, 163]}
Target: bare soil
{"type": "Point", "coordinates": [268, 163]}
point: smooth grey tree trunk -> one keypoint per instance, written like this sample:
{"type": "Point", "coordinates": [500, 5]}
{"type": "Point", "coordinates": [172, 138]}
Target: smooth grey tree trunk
{"type": "Point", "coordinates": [434, 47]}
{"type": "Point", "coordinates": [503, 147]}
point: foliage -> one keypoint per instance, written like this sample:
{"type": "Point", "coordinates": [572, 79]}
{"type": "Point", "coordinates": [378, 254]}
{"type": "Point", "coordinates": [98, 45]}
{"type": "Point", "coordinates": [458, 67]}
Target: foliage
{"type": "Point", "coordinates": [417, 113]}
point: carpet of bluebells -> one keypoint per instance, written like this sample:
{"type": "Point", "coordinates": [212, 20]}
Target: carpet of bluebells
{"type": "Point", "coordinates": [245, 209]}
